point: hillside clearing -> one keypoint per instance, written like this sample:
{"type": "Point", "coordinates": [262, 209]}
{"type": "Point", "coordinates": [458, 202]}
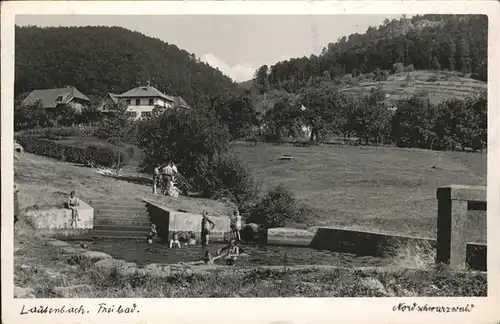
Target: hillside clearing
{"type": "Point", "coordinates": [373, 188]}
{"type": "Point", "coordinates": [46, 183]}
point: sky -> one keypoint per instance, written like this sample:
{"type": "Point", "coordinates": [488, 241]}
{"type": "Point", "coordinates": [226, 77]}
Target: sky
{"type": "Point", "coordinates": [236, 44]}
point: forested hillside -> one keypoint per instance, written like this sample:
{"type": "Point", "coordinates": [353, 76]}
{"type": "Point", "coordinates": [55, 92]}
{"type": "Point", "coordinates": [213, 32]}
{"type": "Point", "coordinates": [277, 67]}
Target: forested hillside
{"type": "Point", "coordinates": [97, 60]}
{"type": "Point", "coordinates": [430, 42]}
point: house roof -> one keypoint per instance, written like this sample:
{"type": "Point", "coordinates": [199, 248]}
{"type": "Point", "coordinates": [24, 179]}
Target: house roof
{"type": "Point", "coordinates": [114, 97]}
{"type": "Point", "coordinates": [181, 102]}
{"type": "Point", "coordinates": [49, 97]}
{"type": "Point", "coordinates": [145, 91]}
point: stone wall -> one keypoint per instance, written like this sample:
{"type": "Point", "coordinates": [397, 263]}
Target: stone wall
{"type": "Point", "coordinates": [58, 220]}
{"type": "Point", "coordinates": [169, 221]}
{"type": "Point", "coordinates": [362, 243]}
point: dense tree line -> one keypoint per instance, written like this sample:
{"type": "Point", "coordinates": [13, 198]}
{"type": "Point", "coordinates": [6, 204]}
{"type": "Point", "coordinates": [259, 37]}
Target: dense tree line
{"type": "Point", "coordinates": [97, 60]}
{"type": "Point", "coordinates": [456, 123]}
{"type": "Point", "coordinates": [438, 42]}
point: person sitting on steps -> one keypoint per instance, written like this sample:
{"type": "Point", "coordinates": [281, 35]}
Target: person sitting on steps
{"type": "Point", "coordinates": [152, 233]}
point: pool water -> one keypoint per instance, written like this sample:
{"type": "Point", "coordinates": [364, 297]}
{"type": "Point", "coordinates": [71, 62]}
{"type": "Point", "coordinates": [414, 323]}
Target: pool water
{"type": "Point", "coordinates": [142, 253]}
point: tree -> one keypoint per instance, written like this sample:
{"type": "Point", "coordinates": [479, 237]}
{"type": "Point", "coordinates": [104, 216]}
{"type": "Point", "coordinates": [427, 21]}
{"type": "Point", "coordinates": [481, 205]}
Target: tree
{"type": "Point", "coordinates": [283, 120]}
{"type": "Point", "coordinates": [370, 118]}
{"type": "Point", "coordinates": [450, 53]}
{"type": "Point", "coordinates": [116, 128]}
{"type": "Point", "coordinates": [413, 123]}
{"type": "Point", "coordinates": [29, 116]}
{"type": "Point", "coordinates": [322, 112]}
{"type": "Point", "coordinates": [261, 79]}
{"type": "Point", "coordinates": [198, 142]}
{"type": "Point", "coordinates": [90, 115]}
{"type": "Point", "coordinates": [463, 54]}
{"type": "Point", "coordinates": [397, 68]}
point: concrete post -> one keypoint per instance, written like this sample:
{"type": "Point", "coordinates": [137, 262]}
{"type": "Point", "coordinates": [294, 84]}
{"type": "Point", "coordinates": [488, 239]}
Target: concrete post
{"type": "Point", "coordinates": [451, 222]}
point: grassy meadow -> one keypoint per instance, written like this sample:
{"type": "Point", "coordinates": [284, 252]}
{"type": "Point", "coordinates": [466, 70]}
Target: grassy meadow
{"type": "Point", "coordinates": [373, 188]}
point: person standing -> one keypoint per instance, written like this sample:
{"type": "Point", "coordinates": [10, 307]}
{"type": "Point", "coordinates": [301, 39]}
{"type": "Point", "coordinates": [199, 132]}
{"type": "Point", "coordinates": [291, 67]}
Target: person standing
{"type": "Point", "coordinates": [156, 178]}
{"type": "Point", "coordinates": [73, 203]}
{"type": "Point", "coordinates": [207, 225]}
{"type": "Point", "coordinates": [168, 174]}
{"type": "Point", "coordinates": [236, 224]}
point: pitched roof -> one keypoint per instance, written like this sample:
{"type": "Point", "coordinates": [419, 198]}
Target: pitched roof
{"type": "Point", "coordinates": [114, 97]}
{"type": "Point", "coordinates": [145, 91]}
{"type": "Point", "coordinates": [49, 97]}
{"type": "Point", "coordinates": [181, 102]}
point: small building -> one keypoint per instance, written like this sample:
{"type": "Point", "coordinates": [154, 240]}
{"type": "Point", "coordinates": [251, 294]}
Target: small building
{"type": "Point", "coordinates": [142, 100]}
{"type": "Point", "coordinates": [58, 98]}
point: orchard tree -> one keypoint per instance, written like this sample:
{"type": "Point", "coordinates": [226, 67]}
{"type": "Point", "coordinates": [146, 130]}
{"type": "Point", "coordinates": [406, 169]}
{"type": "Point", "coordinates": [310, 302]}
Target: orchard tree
{"type": "Point", "coordinates": [283, 120]}
{"type": "Point", "coordinates": [412, 124]}
{"type": "Point", "coordinates": [322, 111]}
{"type": "Point", "coordinates": [116, 128]}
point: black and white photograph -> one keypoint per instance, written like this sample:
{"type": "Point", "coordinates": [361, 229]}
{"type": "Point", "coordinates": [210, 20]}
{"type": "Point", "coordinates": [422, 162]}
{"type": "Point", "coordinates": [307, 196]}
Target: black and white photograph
{"type": "Point", "coordinates": [249, 156]}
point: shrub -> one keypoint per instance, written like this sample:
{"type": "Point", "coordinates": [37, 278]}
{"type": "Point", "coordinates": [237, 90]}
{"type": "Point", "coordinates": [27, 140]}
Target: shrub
{"type": "Point", "coordinates": [226, 177]}
{"type": "Point", "coordinates": [397, 68]}
{"type": "Point", "coordinates": [58, 132]}
{"type": "Point", "coordinates": [276, 208]}
{"type": "Point", "coordinates": [347, 79]}
{"type": "Point", "coordinates": [369, 76]}
{"type": "Point", "coordinates": [385, 74]}
{"type": "Point", "coordinates": [409, 68]}
{"type": "Point", "coordinates": [105, 156]}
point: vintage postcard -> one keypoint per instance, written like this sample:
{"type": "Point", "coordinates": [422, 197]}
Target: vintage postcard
{"type": "Point", "coordinates": [250, 162]}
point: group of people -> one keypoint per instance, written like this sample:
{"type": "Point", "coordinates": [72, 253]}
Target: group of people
{"type": "Point", "coordinates": [164, 177]}
{"type": "Point", "coordinates": [229, 252]}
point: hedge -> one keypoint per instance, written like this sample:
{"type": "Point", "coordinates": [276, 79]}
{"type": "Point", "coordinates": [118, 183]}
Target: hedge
{"type": "Point", "coordinates": [104, 156]}
{"type": "Point", "coordinates": [58, 132]}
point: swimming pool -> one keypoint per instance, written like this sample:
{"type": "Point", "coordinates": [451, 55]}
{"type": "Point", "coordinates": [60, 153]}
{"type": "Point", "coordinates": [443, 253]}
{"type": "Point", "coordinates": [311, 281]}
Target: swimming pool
{"type": "Point", "coordinates": [142, 253]}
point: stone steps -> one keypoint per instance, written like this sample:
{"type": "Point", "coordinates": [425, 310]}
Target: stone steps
{"type": "Point", "coordinates": [119, 219]}
{"type": "Point", "coordinates": [123, 228]}
{"type": "Point", "coordinates": [125, 222]}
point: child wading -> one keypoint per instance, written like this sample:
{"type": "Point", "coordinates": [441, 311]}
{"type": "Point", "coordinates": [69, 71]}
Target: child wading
{"type": "Point", "coordinates": [151, 233]}
{"type": "Point", "coordinates": [174, 242]}
{"type": "Point", "coordinates": [73, 204]}
{"type": "Point", "coordinates": [233, 251]}
{"type": "Point", "coordinates": [206, 226]}
{"type": "Point", "coordinates": [192, 240]}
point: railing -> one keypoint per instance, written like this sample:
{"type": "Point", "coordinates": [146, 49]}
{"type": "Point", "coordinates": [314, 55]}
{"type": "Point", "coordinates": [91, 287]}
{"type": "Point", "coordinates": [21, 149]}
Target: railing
{"type": "Point", "coordinates": [454, 203]}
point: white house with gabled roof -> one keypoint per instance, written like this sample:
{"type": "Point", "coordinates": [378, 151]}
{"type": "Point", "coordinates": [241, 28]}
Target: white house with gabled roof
{"type": "Point", "coordinates": [142, 100]}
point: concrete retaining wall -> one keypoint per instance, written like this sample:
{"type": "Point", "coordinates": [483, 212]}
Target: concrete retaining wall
{"type": "Point", "coordinates": [169, 221]}
{"type": "Point", "coordinates": [362, 243]}
{"type": "Point", "coordinates": [58, 220]}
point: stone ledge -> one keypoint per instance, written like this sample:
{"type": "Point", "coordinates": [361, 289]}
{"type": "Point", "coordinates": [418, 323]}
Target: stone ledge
{"type": "Point", "coordinates": [59, 219]}
{"type": "Point", "coordinates": [462, 192]}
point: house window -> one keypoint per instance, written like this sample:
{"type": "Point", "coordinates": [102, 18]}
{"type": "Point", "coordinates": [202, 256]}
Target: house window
{"type": "Point", "coordinates": [146, 114]}
{"type": "Point", "coordinates": [128, 101]}
{"type": "Point", "coordinates": [59, 98]}
{"type": "Point", "coordinates": [132, 114]}
{"type": "Point", "coordinates": [151, 102]}
{"type": "Point", "coordinates": [137, 102]}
